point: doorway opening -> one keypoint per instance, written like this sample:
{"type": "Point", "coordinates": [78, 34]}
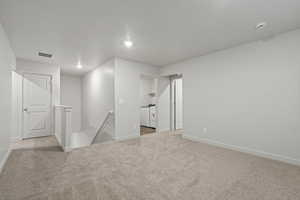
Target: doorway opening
{"type": "Point", "coordinates": [170, 104]}
{"type": "Point", "coordinates": [148, 110]}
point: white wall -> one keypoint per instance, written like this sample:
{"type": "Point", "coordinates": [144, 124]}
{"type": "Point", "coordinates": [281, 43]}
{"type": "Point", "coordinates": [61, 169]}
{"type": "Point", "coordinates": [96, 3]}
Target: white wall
{"type": "Point", "coordinates": [7, 64]}
{"type": "Point", "coordinates": [145, 88]}
{"type": "Point", "coordinates": [97, 95]}
{"type": "Point", "coordinates": [71, 96]}
{"type": "Point", "coordinates": [147, 85]}
{"type": "Point", "coordinates": [115, 85]}
{"type": "Point", "coordinates": [27, 66]}
{"type": "Point", "coordinates": [247, 97]}
{"type": "Point", "coordinates": [127, 93]}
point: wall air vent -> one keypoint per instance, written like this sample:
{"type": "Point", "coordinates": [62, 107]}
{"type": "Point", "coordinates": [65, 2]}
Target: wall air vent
{"type": "Point", "coordinates": [45, 55]}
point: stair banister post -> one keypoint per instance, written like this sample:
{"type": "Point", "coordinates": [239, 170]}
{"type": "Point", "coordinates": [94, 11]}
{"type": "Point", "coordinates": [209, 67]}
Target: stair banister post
{"type": "Point", "coordinates": [68, 128]}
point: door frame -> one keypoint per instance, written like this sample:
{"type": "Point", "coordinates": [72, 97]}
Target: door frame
{"type": "Point", "coordinates": [51, 102]}
{"type": "Point", "coordinates": [173, 102]}
{"type": "Point", "coordinates": [155, 79]}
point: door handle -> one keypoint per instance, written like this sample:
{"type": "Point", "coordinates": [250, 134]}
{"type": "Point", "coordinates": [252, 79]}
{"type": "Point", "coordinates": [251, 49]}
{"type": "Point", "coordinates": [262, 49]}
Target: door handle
{"type": "Point", "coordinates": [25, 109]}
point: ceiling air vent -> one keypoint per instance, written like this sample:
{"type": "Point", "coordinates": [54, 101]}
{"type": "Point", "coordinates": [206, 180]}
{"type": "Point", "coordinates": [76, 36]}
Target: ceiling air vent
{"type": "Point", "coordinates": [45, 55]}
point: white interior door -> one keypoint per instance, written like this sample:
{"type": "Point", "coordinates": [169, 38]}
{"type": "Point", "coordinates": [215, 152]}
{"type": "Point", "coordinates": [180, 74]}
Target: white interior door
{"type": "Point", "coordinates": [36, 105]}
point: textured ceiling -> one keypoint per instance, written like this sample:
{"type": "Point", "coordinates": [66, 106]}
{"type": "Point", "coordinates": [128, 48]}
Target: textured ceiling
{"type": "Point", "coordinates": [163, 32]}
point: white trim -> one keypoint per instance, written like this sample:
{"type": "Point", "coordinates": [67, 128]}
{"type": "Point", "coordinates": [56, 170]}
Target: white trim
{"type": "Point", "coordinates": [17, 114]}
{"type": "Point", "coordinates": [244, 150]}
{"type": "Point", "coordinates": [67, 149]}
{"type": "Point", "coordinates": [15, 139]}
{"type": "Point", "coordinates": [164, 130]}
{"type": "Point", "coordinates": [126, 137]}
{"type": "Point", "coordinates": [129, 137]}
{"type": "Point", "coordinates": [4, 160]}
{"type": "Point", "coordinates": [62, 107]}
{"type": "Point", "coordinates": [63, 123]}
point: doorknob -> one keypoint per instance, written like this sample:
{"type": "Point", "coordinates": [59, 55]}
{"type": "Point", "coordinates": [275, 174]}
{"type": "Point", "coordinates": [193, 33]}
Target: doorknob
{"type": "Point", "coordinates": [25, 109]}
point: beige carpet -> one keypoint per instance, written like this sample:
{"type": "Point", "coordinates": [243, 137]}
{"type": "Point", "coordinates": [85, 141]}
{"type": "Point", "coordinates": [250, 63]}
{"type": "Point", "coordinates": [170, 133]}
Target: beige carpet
{"type": "Point", "coordinates": [149, 168]}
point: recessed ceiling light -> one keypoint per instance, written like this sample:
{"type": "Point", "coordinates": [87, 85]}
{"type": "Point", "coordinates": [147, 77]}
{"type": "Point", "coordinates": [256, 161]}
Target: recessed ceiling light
{"type": "Point", "coordinates": [128, 43]}
{"type": "Point", "coordinates": [261, 26]}
{"type": "Point", "coordinates": [79, 66]}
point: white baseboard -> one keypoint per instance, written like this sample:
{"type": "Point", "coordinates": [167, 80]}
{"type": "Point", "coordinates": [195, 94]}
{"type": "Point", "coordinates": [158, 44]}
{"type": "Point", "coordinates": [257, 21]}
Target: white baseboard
{"type": "Point", "coordinates": [126, 137]}
{"type": "Point", "coordinates": [163, 130]}
{"type": "Point", "coordinates": [244, 150]}
{"type": "Point", "coordinates": [15, 139]}
{"type": "Point", "coordinates": [67, 149]}
{"type": "Point", "coordinates": [3, 161]}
